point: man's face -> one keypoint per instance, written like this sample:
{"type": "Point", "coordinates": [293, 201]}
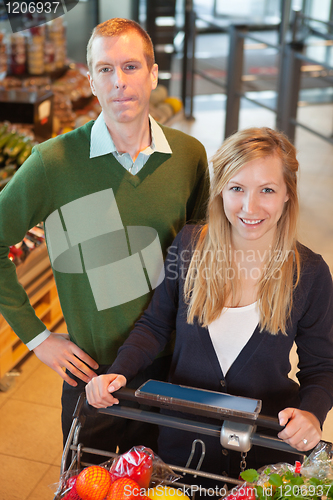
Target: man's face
{"type": "Point", "coordinates": [121, 79]}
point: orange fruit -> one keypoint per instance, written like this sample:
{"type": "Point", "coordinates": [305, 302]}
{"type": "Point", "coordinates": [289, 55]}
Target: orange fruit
{"type": "Point", "coordinates": [93, 483]}
{"type": "Point", "coordinates": [163, 492]}
{"type": "Point", "coordinates": [124, 489]}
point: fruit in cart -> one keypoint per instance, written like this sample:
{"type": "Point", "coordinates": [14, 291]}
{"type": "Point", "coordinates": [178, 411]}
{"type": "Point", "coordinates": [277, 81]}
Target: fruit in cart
{"type": "Point", "coordinates": [163, 492]}
{"type": "Point", "coordinates": [136, 464]}
{"type": "Point", "coordinates": [283, 481]}
{"type": "Point", "coordinates": [124, 489]}
{"type": "Point", "coordinates": [244, 492]}
{"type": "Point", "coordinates": [71, 494]}
{"type": "Point", "coordinates": [70, 489]}
{"type": "Point", "coordinates": [71, 482]}
{"type": "Point", "coordinates": [93, 483]}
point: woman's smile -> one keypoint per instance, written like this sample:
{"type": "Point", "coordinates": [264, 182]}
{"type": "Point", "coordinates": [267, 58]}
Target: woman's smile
{"type": "Point", "coordinates": [254, 200]}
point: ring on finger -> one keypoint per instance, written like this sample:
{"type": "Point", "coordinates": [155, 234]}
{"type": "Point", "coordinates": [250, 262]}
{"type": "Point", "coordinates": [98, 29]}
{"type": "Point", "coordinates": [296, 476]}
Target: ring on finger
{"type": "Point", "coordinates": [305, 441]}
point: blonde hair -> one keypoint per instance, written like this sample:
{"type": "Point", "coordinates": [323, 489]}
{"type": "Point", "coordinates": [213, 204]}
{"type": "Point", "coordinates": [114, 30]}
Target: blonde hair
{"type": "Point", "coordinates": [207, 286]}
{"type": "Point", "coordinates": [116, 27]}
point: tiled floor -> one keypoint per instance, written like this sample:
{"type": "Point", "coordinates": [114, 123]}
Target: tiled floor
{"type": "Point", "coordinates": [30, 437]}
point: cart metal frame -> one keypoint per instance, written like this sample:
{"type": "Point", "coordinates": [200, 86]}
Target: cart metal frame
{"type": "Point", "coordinates": [240, 430]}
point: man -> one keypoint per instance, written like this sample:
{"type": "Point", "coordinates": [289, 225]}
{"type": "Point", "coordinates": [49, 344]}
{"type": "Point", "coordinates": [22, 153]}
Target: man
{"type": "Point", "coordinates": [112, 194]}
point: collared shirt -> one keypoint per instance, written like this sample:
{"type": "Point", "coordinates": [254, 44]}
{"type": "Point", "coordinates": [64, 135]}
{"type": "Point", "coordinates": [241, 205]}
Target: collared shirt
{"type": "Point", "coordinates": [101, 143]}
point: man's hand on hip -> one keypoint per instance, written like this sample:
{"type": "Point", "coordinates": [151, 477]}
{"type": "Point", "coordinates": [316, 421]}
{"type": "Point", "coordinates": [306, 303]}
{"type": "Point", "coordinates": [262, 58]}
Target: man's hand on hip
{"type": "Point", "coordinates": [58, 353]}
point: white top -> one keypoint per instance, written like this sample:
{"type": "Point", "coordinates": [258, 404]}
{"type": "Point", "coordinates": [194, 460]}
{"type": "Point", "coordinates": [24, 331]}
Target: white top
{"type": "Point", "coordinates": [231, 331]}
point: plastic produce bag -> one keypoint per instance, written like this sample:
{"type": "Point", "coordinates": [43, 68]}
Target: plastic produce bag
{"type": "Point", "coordinates": [123, 478]}
{"type": "Point", "coordinates": [143, 466]}
{"type": "Point", "coordinates": [319, 463]}
{"type": "Point", "coordinates": [311, 480]}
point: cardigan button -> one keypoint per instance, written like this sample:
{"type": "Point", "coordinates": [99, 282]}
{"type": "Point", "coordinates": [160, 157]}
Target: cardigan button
{"type": "Point", "coordinates": [223, 383]}
{"type": "Point", "coordinates": [225, 453]}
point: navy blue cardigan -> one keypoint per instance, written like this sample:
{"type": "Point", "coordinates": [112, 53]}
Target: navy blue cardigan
{"type": "Point", "coordinates": [261, 369]}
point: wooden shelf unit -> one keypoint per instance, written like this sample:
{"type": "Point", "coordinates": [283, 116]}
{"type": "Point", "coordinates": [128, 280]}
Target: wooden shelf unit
{"type": "Point", "coordinates": [35, 274]}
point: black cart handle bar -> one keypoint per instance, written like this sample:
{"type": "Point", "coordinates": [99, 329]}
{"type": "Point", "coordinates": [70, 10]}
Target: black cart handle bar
{"type": "Point", "coordinates": [210, 429]}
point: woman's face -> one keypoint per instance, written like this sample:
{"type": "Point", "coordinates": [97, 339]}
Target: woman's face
{"type": "Point", "coordinates": [254, 199]}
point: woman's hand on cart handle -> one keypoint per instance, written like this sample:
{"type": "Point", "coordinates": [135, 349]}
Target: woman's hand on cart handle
{"type": "Point", "coordinates": [58, 353]}
{"type": "Point", "coordinates": [99, 390]}
{"type": "Point", "coordinates": [302, 429]}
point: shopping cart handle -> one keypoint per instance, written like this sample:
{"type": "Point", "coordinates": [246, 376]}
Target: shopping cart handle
{"type": "Point", "coordinates": [83, 409]}
{"type": "Point", "coordinates": [127, 394]}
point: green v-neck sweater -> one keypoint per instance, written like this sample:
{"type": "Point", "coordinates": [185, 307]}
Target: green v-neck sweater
{"type": "Point", "coordinates": [104, 231]}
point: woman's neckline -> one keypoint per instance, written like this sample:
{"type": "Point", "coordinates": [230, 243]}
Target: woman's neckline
{"type": "Point", "coordinates": [243, 308]}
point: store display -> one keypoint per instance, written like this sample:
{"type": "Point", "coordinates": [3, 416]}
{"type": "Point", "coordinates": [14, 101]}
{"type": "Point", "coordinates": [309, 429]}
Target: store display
{"type": "Point", "coordinates": [162, 106]}
{"type": "Point", "coordinates": [175, 103]}
{"type": "Point", "coordinates": [16, 143]}
{"type": "Point", "coordinates": [73, 99]}
{"type": "Point", "coordinates": [37, 51]}
{"type": "Point", "coordinates": [3, 56]}
{"type": "Point", "coordinates": [56, 30]}
{"type": "Point", "coordinates": [158, 95]}
{"type": "Point", "coordinates": [73, 103]}
{"type": "Point", "coordinates": [25, 107]}
{"type": "Point", "coordinates": [19, 252]}
{"type": "Point", "coordinates": [17, 54]}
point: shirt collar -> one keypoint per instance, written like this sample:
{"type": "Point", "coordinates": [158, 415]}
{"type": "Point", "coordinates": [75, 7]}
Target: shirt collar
{"type": "Point", "coordinates": [101, 142]}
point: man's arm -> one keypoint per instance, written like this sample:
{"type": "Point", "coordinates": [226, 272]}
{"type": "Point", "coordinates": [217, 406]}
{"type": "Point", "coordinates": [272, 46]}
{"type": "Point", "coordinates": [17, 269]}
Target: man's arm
{"type": "Point", "coordinates": [25, 201]}
{"type": "Point", "coordinates": [58, 352]}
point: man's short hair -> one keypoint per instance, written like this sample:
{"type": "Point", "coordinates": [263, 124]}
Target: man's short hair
{"type": "Point", "coordinates": [116, 27]}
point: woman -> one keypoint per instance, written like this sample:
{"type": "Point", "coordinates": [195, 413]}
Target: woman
{"type": "Point", "coordinates": [239, 291]}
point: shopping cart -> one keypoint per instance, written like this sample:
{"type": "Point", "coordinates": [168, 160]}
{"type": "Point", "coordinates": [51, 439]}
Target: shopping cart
{"type": "Point", "coordinates": [237, 431]}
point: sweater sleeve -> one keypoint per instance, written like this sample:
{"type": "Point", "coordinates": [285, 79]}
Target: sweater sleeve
{"type": "Point", "coordinates": [23, 204]}
{"type": "Point", "coordinates": [197, 203]}
{"type": "Point", "coordinates": [153, 330]}
{"type": "Point", "coordinates": [315, 344]}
